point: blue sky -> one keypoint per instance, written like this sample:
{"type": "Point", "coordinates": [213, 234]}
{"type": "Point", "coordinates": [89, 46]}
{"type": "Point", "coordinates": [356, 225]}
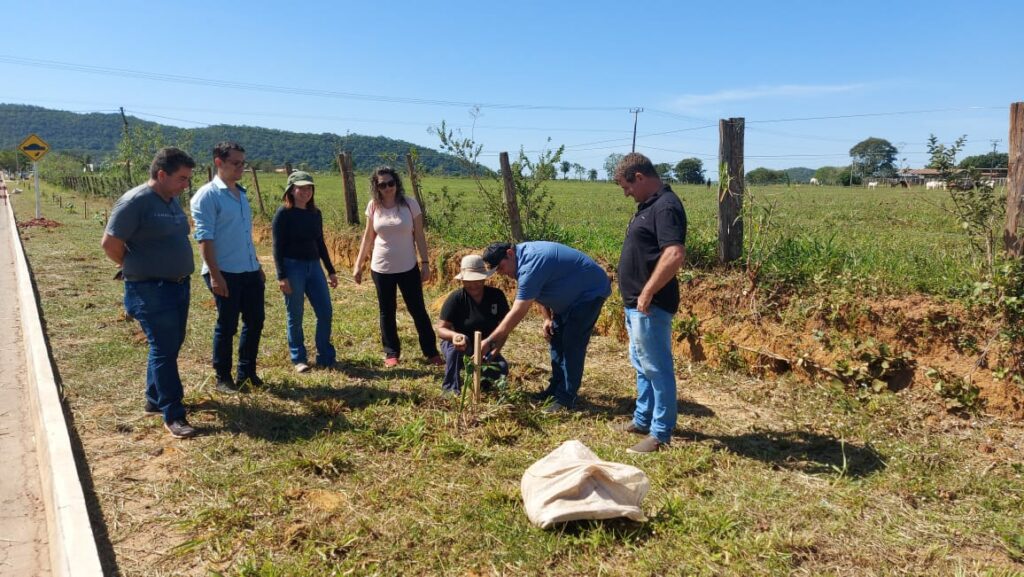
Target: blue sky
{"type": "Point", "coordinates": [811, 78]}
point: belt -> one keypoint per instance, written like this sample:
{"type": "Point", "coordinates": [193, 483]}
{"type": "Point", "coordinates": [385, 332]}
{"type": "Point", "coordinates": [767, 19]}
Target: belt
{"type": "Point", "coordinates": [178, 280]}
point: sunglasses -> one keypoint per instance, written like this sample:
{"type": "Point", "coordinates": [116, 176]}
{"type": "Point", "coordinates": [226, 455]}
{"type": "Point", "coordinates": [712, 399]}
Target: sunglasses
{"type": "Point", "coordinates": [385, 184]}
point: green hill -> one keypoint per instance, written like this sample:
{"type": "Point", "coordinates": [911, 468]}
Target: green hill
{"type": "Point", "coordinates": [96, 135]}
{"type": "Point", "coordinates": [800, 174]}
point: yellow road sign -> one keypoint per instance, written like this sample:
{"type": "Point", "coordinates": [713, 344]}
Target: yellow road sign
{"type": "Point", "coordinates": [34, 147]}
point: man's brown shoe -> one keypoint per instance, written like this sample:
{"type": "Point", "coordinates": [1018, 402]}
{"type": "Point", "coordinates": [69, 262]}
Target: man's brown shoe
{"type": "Point", "coordinates": [648, 445]}
{"type": "Point", "coordinates": [629, 427]}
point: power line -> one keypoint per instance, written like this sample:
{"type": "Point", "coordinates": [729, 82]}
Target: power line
{"type": "Point", "coordinates": [868, 114]}
{"type": "Point", "coordinates": [252, 86]}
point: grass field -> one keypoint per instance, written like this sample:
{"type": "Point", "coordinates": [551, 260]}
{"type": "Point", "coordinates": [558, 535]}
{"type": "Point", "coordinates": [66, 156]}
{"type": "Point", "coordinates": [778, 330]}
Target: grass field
{"type": "Point", "coordinates": [368, 471]}
{"type": "Point", "coordinates": [894, 239]}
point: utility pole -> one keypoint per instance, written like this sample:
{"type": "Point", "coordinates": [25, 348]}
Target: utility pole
{"type": "Point", "coordinates": [995, 142]}
{"type": "Point", "coordinates": [128, 140]}
{"type": "Point", "coordinates": [636, 114]}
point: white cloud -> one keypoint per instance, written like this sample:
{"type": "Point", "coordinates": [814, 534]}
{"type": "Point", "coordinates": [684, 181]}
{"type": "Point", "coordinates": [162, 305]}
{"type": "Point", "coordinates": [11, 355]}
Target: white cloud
{"type": "Point", "coordinates": [696, 101]}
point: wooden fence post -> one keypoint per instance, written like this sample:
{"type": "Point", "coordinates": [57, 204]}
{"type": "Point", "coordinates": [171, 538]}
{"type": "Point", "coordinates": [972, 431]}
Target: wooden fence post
{"type": "Point", "coordinates": [730, 200]}
{"type": "Point", "coordinates": [477, 360]}
{"type": "Point", "coordinates": [511, 204]}
{"type": "Point", "coordinates": [1015, 182]}
{"type": "Point", "coordinates": [287, 168]}
{"type": "Point", "coordinates": [414, 182]}
{"type": "Point", "coordinates": [209, 173]}
{"type": "Point", "coordinates": [256, 185]}
{"type": "Point", "coordinates": [348, 183]}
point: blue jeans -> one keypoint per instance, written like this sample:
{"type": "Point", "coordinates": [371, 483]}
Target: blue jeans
{"type": "Point", "coordinates": [161, 307]}
{"type": "Point", "coordinates": [307, 280]}
{"type": "Point", "coordinates": [245, 298]}
{"type": "Point", "coordinates": [569, 339]}
{"type": "Point", "coordinates": [454, 367]}
{"type": "Point", "coordinates": [650, 351]}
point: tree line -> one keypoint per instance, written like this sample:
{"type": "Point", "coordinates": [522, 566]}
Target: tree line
{"type": "Point", "coordinates": [95, 139]}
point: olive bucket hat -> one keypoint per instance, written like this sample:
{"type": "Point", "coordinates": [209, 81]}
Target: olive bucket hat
{"type": "Point", "coordinates": [298, 178]}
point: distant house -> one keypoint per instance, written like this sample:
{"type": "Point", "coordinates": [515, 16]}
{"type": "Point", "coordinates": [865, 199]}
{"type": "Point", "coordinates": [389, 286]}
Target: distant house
{"type": "Point", "coordinates": [921, 176]}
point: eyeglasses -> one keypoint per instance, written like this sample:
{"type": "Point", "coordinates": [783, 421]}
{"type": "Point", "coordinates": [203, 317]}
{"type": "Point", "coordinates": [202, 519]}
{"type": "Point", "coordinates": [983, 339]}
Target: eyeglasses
{"type": "Point", "coordinates": [237, 163]}
{"type": "Point", "coordinates": [385, 184]}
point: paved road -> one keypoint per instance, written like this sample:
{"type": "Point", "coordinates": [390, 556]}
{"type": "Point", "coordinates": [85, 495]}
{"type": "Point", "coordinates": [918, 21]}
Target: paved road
{"type": "Point", "coordinates": [23, 536]}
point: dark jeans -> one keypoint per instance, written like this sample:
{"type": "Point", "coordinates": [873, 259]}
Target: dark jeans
{"type": "Point", "coordinates": [245, 298]}
{"type": "Point", "coordinates": [161, 307]}
{"type": "Point", "coordinates": [570, 336]}
{"type": "Point", "coordinates": [454, 367]}
{"type": "Point", "coordinates": [387, 300]}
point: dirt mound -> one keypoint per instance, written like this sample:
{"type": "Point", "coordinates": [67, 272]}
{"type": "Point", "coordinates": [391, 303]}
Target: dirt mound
{"type": "Point", "coordinates": [871, 342]}
{"type": "Point", "coordinates": [38, 222]}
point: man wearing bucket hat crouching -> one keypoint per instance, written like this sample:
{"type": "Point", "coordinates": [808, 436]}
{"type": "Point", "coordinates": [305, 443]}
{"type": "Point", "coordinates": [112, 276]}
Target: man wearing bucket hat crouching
{"type": "Point", "coordinates": [570, 289]}
{"type": "Point", "coordinates": [474, 307]}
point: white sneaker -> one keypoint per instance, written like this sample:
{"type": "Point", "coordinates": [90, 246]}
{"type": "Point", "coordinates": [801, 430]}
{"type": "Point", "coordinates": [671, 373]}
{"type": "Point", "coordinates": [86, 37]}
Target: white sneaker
{"type": "Point", "coordinates": [301, 368]}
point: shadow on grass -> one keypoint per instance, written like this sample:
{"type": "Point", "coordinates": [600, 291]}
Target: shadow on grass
{"type": "Point", "coordinates": [258, 422]}
{"type": "Point", "coordinates": [809, 453]}
{"type": "Point", "coordinates": [618, 530]}
{"type": "Point", "coordinates": [374, 371]}
{"type": "Point", "coordinates": [623, 407]}
{"type": "Point", "coordinates": [353, 396]}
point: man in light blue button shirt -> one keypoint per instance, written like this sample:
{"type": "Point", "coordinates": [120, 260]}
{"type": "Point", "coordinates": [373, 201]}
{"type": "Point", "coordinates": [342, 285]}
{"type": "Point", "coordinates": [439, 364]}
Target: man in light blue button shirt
{"type": "Point", "coordinates": [223, 219]}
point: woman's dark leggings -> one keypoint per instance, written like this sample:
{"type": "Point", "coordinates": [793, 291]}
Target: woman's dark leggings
{"type": "Point", "coordinates": [387, 300]}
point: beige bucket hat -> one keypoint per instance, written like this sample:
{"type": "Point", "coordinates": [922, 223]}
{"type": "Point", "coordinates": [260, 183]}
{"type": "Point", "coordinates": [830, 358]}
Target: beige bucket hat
{"type": "Point", "coordinates": [473, 268]}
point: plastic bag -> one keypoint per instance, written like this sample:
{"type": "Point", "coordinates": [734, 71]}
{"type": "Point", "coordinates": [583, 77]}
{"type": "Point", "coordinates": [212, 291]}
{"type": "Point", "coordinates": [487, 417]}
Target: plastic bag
{"type": "Point", "coordinates": [572, 483]}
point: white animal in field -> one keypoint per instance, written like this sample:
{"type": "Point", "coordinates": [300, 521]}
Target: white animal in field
{"type": "Point", "coordinates": [872, 184]}
{"type": "Point", "coordinates": [988, 183]}
{"type": "Point", "coordinates": [814, 182]}
{"type": "Point", "coordinates": [935, 185]}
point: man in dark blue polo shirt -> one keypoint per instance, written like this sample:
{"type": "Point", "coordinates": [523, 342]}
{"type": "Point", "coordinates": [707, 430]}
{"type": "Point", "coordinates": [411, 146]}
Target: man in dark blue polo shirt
{"type": "Point", "coordinates": [653, 252]}
{"type": "Point", "coordinates": [570, 289]}
{"type": "Point", "coordinates": [147, 236]}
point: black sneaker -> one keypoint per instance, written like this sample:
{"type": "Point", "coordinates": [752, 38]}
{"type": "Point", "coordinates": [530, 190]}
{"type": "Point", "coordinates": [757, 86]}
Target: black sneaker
{"type": "Point", "coordinates": [541, 396]}
{"type": "Point", "coordinates": [252, 381]}
{"type": "Point", "coordinates": [226, 386]}
{"type": "Point", "coordinates": [151, 409]}
{"type": "Point", "coordinates": [180, 429]}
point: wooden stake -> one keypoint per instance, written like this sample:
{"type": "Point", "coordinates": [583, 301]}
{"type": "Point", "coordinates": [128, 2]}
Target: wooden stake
{"type": "Point", "coordinates": [730, 202]}
{"type": "Point", "coordinates": [348, 181]}
{"type": "Point", "coordinates": [1015, 183]}
{"type": "Point", "coordinates": [414, 182]}
{"type": "Point", "coordinates": [511, 204]}
{"type": "Point", "coordinates": [256, 185]}
{"type": "Point", "coordinates": [477, 359]}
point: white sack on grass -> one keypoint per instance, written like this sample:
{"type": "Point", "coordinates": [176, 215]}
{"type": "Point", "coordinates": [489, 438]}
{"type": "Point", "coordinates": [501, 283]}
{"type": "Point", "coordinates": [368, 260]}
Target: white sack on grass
{"type": "Point", "coordinates": [572, 483]}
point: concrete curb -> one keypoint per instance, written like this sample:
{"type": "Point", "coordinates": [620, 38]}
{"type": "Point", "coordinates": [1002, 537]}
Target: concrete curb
{"type": "Point", "coordinates": [72, 545]}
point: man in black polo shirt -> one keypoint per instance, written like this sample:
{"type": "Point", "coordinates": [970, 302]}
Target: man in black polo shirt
{"type": "Point", "coordinates": [474, 307]}
{"type": "Point", "coordinates": [652, 254]}
{"type": "Point", "coordinates": [147, 236]}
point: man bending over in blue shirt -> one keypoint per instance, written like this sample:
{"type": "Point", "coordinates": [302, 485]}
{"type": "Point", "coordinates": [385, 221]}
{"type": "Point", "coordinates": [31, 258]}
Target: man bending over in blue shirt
{"type": "Point", "coordinates": [570, 289]}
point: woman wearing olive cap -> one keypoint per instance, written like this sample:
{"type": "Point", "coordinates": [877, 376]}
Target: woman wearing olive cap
{"type": "Point", "coordinates": [299, 248]}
